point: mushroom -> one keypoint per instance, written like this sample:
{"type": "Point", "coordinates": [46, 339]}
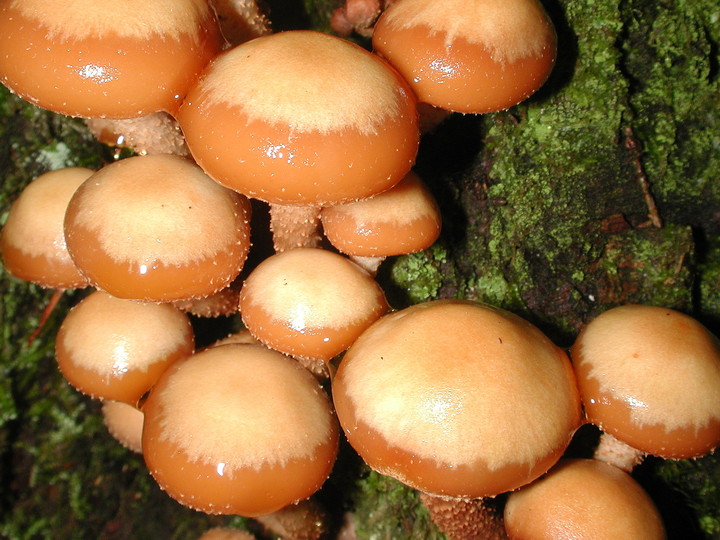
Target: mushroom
{"type": "Point", "coordinates": [404, 219]}
{"type": "Point", "coordinates": [124, 422]}
{"type": "Point", "coordinates": [583, 499]}
{"type": "Point", "coordinates": [288, 137]}
{"type": "Point", "coordinates": [310, 303]}
{"type": "Point", "coordinates": [457, 399]}
{"type": "Point", "coordinates": [32, 242]}
{"type": "Point", "coordinates": [465, 56]}
{"type": "Point", "coordinates": [649, 377]}
{"type": "Point", "coordinates": [105, 59]}
{"type": "Point", "coordinates": [226, 533]}
{"type": "Point", "coordinates": [239, 429]}
{"type": "Point", "coordinates": [116, 349]}
{"type": "Point", "coordinates": [157, 228]}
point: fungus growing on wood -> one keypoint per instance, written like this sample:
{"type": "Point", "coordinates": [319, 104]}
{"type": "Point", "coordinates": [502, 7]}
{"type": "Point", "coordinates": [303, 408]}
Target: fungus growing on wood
{"type": "Point", "coordinates": [97, 58]}
{"type": "Point", "coordinates": [469, 56]}
{"type": "Point", "coordinates": [649, 377]}
{"type": "Point", "coordinates": [287, 136]}
{"type": "Point", "coordinates": [124, 422]}
{"type": "Point", "coordinates": [116, 349]}
{"type": "Point", "coordinates": [32, 241]}
{"type": "Point", "coordinates": [157, 228]}
{"type": "Point", "coordinates": [310, 303]}
{"type": "Point", "coordinates": [583, 499]}
{"type": "Point", "coordinates": [404, 219]}
{"type": "Point", "coordinates": [457, 399]}
{"type": "Point", "coordinates": [239, 429]}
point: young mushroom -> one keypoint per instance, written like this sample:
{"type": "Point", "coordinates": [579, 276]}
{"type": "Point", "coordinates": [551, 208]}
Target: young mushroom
{"type": "Point", "coordinates": [116, 349]}
{"type": "Point", "coordinates": [310, 303]}
{"type": "Point", "coordinates": [239, 429]}
{"type": "Point", "coordinates": [156, 228]}
{"type": "Point", "coordinates": [468, 56]}
{"type": "Point", "coordinates": [404, 219]}
{"type": "Point", "coordinates": [329, 123]}
{"type": "Point", "coordinates": [583, 499]}
{"type": "Point", "coordinates": [457, 399]}
{"type": "Point", "coordinates": [124, 422]}
{"type": "Point", "coordinates": [649, 377]}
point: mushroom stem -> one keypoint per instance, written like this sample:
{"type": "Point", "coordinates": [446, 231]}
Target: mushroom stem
{"type": "Point", "coordinates": [305, 520]}
{"type": "Point", "coordinates": [156, 133]}
{"type": "Point", "coordinates": [294, 226]}
{"type": "Point", "coordinates": [464, 519]}
{"type": "Point", "coordinates": [616, 452]}
{"type": "Point", "coordinates": [369, 264]}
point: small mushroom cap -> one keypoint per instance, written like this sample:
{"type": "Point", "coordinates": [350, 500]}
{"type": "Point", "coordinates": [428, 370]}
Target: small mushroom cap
{"type": "Point", "coordinates": [125, 423]}
{"type": "Point", "coordinates": [583, 499]}
{"type": "Point", "coordinates": [157, 228]}
{"type": "Point", "coordinates": [32, 241]}
{"type": "Point", "coordinates": [96, 58]}
{"type": "Point", "coordinates": [239, 429]}
{"type": "Point", "coordinates": [116, 349]}
{"type": "Point", "coordinates": [471, 56]}
{"type": "Point", "coordinates": [403, 219]}
{"type": "Point", "coordinates": [310, 302]}
{"type": "Point", "coordinates": [457, 398]}
{"type": "Point", "coordinates": [650, 377]}
{"type": "Point", "coordinates": [329, 123]}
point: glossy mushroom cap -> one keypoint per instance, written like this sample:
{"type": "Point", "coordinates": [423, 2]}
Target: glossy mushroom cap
{"type": "Point", "coordinates": [116, 349]}
{"type": "Point", "coordinates": [329, 123]}
{"type": "Point", "coordinates": [583, 499]}
{"type": "Point", "coordinates": [239, 429]}
{"type": "Point", "coordinates": [469, 56]}
{"type": "Point", "coordinates": [310, 302]}
{"type": "Point", "coordinates": [32, 241]}
{"type": "Point", "coordinates": [96, 58]}
{"type": "Point", "coordinates": [404, 219]}
{"type": "Point", "coordinates": [157, 228]}
{"type": "Point", "coordinates": [124, 422]}
{"type": "Point", "coordinates": [457, 398]}
{"type": "Point", "coordinates": [650, 377]}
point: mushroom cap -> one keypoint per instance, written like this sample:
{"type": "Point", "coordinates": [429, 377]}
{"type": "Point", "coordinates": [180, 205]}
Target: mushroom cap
{"type": "Point", "coordinates": [469, 56]}
{"type": "Point", "coordinates": [239, 429]}
{"type": "Point", "coordinates": [96, 58]}
{"type": "Point", "coordinates": [650, 376]}
{"type": "Point", "coordinates": [457, 398]}
{"type": "Point", "coordinates": [157, 228]}
{"type": "Point", "coordinates": [116, 349]}
{"type": "Point", "coordinates": [125, 423]}
{"type": "Point", "coordinates": [32, 241]}
{"type": "Point", "coordinates": [583, 499]}
{"type": "Point", "coordinates": [329, 123]}
{"type": "Point", "coordinates": [310, 302]}
{"type": "Point", "coordinates": [401, 220]}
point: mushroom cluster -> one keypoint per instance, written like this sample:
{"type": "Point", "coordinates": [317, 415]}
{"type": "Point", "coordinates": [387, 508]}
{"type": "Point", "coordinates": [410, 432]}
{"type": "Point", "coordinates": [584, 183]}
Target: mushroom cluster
{"type": "Point", "coordinates": [460, 400]}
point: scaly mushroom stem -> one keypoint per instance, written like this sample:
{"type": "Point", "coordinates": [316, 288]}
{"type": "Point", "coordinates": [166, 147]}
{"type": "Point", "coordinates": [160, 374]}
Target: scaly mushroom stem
{"type": "Point", "coordinates": [305, 520]}
{"type": "Point", "coordinates": [464, 519]}
{"type": "Point", "coordinates": [157, 133]}
{"type": "Point", "coordinates": [614, 451]}
{"type": "Point", "coordinates": [294, 226]}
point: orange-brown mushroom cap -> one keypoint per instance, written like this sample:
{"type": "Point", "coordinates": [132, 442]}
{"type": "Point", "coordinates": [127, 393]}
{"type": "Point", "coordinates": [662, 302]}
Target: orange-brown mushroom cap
{"type": "Point", "coordinates": [404, 219]}
{"type": "Point", "coordinates": [310, 302]}
{"type": "Point", "coordinates": [457, 398]}
{"type": "Point", "coordinates": [329, 123]}
{"type": "Point", "coordinates": [239, 429]}
{"type": "Point", "coordinates": [583, 499]}
{"type": "Point", "coordinates": [470, 56]}
{"type": "Point", "coordinates": [157, 228]}
{"type": "Point", "coordinates": [96, 58]}
{"type": "Point", "coordinates": [116, 349]}
{"type": "Point", "coordinates": [32, 241]}
{"type": "Point", "coordinates": [650, 377]}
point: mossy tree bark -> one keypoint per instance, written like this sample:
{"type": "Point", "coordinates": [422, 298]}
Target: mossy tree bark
{"type": "Point", "coordinates": [603, 189]}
